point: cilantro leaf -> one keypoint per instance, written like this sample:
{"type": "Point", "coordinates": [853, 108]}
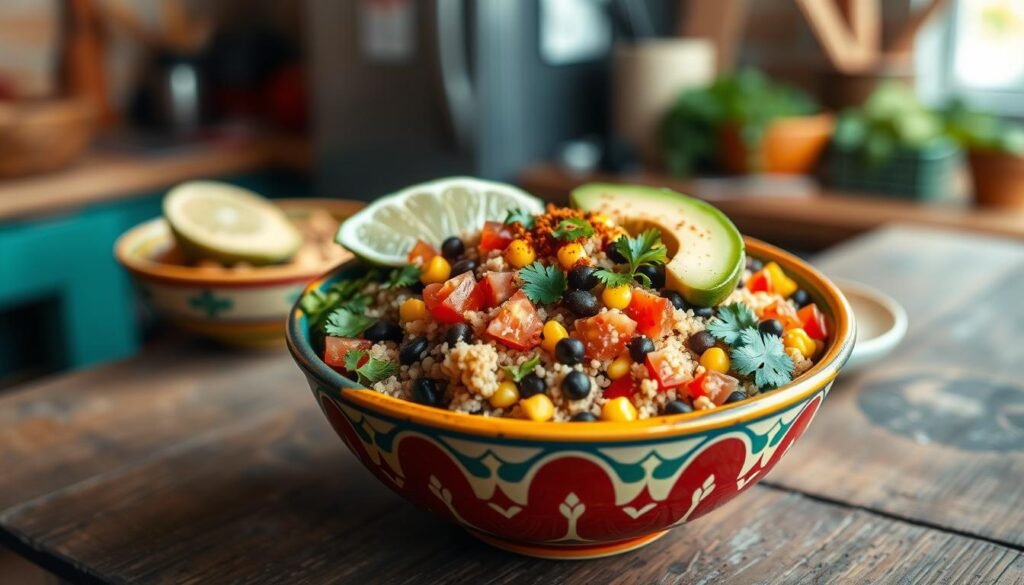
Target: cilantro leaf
{"type": "Point", "coordinates": [358, 303]}
{"type": "Point", "coordinates": [573, 228]}
{"type": "Point", "coordinates": [764, 357]}
{"type": "Point", "coordinates": [542, 284]}
{"type": "Point", "coordinates": [731, 321]}
{"type": "Point", "coordinates": [613, 279]}
{"type": "Point", "coordinates": [519, 372]}
{"type": "Point", "coordinates": [403, 277]}
{"type": "Point", "coordinates": [345, 323]}
{"type": "Point", "coordinates": [521, 217]}
{"type": "Point", "coordinates": [643, 249]}
{"type": "Point", "coordinates": [372, 370]}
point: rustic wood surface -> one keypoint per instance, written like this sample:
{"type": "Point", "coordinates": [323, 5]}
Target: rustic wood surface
{"type": "Point", "coordinates": [822, 218]}
{"type": "Point", "coordinates": [192, 464]}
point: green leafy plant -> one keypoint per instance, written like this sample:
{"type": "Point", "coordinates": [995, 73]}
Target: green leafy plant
{"type": "Point", "coordinates": [372, 369]}
{"type": "Point", "coordinates": [763, 357]}
{"type": "Point", "coordinates": [689, 133]}
{"type": "Point", "coordinates": [645, 248]}
{"type": "Point", "coordinates": [573, 228]}
{"type": "Point", "coordinates": [542, 284]}
{"type": "Point", "coordinates": [519, 216]}
{"type": "Point", "coordinates": [976, 130]}
{"type": "Point", "coordinates": [517, 373]}
{"type": "Point", "coordinates": [731, 321]}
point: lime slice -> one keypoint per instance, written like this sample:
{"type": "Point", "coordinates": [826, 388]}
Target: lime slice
{"type": "Point", "coordinates": [385, 231]}
{"type": "Point", "coordinates": [222, 222]}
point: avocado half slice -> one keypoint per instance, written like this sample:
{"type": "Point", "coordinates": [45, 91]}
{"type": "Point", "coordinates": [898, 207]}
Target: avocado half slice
{"type": "Point", "coordinates": [706, 251]}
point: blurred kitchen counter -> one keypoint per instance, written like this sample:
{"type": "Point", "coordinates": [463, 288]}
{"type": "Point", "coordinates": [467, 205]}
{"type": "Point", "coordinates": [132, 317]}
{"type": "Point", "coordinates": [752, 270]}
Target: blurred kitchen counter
{"type": "Point", "coordinates": [790, 213]}
{"type": "Point", "coordinates": [109, 174]}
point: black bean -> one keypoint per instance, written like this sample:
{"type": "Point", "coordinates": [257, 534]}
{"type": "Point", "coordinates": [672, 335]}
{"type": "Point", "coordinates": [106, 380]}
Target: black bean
{"type": "Point", "coordinates": [801, 298]}
{"type": "Point", "coordinates": [426, 391]}
{"type": "Point", "coordinates": [412, 351]}
{"type": "Point", "coordinates": [614, 255]}
{"type": "Point", "coordinates": [678, 407]}
{"type": "Point", "coordinates": [705, 312]}
{"type": "Point", "coordinates": [583, 417]}
{"type": "Point", "coordinates": [675, 298]}
{"type": "Point", "coordinates": [654, 272]}
{"type": "Point", "coordinates": [639, 347]}
{"type": "Point", "coordinates": [771, 327]}
{"type": "Point", "coordinates": [582, 303]}
{"type": "Point", "coordinates": [459, 332]}
{"type": "Point", "coordinates": [735, 397]}
{"type": "Point", "coordinates": [576, 385]}
{"type": "Point", "coordinates": [530, 385]}
{"type": "Point", "coordinates": [700, 342]}
{"type": "Point", "coordinates": [753, 264]}
{"type": "Point", "coordinates": [569, 351]}
{"type": "Point", "coordinates": [383, 331]}
{"type": "Point", "coordinates": [464, 265]}
{"type": "Point", "coordinates": [583, 278]}
{"type": "Point", "coordinates": [452, 248]}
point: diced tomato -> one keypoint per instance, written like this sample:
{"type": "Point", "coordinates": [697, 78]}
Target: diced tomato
{"type": "Point", "coordinates": [652, 313]}
{"type": "Point", "coordinates": [760, 281]}
{"type": "Point", "coordinates": [624, 386]}
{"type": "Point", "coordinates": [517, 325]}
{"type": "Point", "coordinates": [784, 313]}
{"type": "Point", "coordinates": [694, 388]}
{"type": "Point", "coordinates": [659, 369]}
{"type": "Point", "coordinates": [495, 236]}
{"type": "Point", "coordinates": [449, 302]}
{"type": "Point", "coordinates": [421, 253]}
{"type": "Point", "coordinates": [814, 322]}
{"type": "Point", "coordinates": [497, 287]}
{"type": "Point", "coordinates": [336, 348]}
{"type": "Point", "coordinates": [718, 386]}
{"type": "Point", "coordinates": [605, 335]}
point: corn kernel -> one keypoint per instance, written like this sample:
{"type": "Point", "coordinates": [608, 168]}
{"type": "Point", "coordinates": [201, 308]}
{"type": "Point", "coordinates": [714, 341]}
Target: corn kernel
{"type": "Point", "coordinates": [437, 269]}
{"type": "Point", "coordinates": [617, 297]}
{"type": "Point", "coordinates": [520, 253]}
{"type": "Point", "coordinates": [783, 284]}
{"type": "Point", "coordinates": [602, 219]}
{"type": "Point", "coordinates": [799, 340]}
{"type": "Point", "coordinates": [412, 310]}
{"type": "Point", "coordinates": [618, 410]}
{"type": "Point", "coordinates": [715, 358]}
{"type": "Point", "coordinates": [552, 333]}
{"type": "Point", "coordinates": [506, 395]}
{"type": "Point", "coordinates": [570, 254]}
{"type": "Point", "coordinates": [538, 408]}
{"type": "Point", "coordinates": [619, 367]}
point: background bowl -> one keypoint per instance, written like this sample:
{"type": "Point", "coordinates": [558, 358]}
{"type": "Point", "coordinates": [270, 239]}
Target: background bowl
{"type": "Point", "coordinates": [564, 490]}
{"type": "Point", "coordinates": [246, 308]}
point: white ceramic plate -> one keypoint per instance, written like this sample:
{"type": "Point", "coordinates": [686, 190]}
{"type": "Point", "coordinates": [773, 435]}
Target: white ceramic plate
{"type": "Point", "coordinates": [881, 323]}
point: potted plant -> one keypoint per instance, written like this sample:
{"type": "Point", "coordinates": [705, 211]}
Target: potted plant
{"type": "Point", "coordinates": [893, 145]}
{"type": "Point", "coordinates": [995, 153]}
{"type": "Point", "coordinates": [744, 123]}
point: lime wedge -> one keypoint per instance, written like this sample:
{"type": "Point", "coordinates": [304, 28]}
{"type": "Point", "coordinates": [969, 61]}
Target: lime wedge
{"type": "Point", "coordinates": [222, 222]}
{"type": "Point", "coordinates": [385, 231]}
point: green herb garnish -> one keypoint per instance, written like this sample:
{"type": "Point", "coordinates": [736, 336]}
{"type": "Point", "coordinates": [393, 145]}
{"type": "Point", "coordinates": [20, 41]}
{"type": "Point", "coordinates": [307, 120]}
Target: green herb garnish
{"type": "Point", "coordinates": [643, 249]}
{"type": "Point", "coordinates": [731, 321]}
{"type": "Point", "coordinates": [403, 277]}
{"type": "Point", "coordinates": [344, 323]}
{"type": "Point", "coordinates": [527, 220]}
{"type": "Point", "coordinates": [519, 372]}
{"type": "Point", "coordinates": [573, 228]}
{"type": "Point", "coordinates": [542, 284]}
{"type": "Point", "coordinates": [372, 370]}
{"type": "Point", "coordinates": [344, 294]}
{"type": "Point", "coordinates": [763, 356]}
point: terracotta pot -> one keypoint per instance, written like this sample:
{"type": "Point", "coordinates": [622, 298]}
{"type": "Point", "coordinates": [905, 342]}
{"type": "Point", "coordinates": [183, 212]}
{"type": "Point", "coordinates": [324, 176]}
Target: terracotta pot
{"type": "Point", "coordinates": [998, 179]}
{"type": "Point", "coordinates": [790, 146]}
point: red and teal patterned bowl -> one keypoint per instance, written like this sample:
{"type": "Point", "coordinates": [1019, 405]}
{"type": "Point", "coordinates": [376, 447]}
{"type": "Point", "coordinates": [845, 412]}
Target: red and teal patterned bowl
{"type": "Point", "coordinates": [575, 491]}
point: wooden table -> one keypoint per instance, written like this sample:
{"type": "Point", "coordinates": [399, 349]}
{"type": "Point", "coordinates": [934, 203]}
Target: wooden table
{"type": "Point", "coordinates": [192, 464]}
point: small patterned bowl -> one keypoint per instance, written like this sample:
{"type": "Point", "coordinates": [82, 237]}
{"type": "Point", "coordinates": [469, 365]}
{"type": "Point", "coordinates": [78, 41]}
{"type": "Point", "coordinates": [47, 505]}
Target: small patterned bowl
{"type": "Point", "coordinates": [575, 490]}
{"type": "Point", "coordinates": [244, 308]}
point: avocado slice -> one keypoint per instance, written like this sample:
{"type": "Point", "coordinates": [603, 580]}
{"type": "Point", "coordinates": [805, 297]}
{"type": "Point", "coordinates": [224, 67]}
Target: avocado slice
{"type": "Point", "coordinates": [706, 250]}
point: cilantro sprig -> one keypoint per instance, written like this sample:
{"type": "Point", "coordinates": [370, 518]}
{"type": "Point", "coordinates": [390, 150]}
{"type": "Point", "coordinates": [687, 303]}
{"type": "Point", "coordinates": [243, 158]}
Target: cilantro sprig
{"type": "Point", "coordinates": [573, 228]}
{"type": "Point", "coordinates": [731, 321]}
{"type": "Point", "coordinates": [372, 369]}
{"type": "Point", "coordinates": [646, 248]}
{"type": "Point", "coordinates": [542, 284]}
{"type": "Point", "coordinates": [346, 294]}
{"type": "Point", "coordinates": [526, 219]}
{"type": "Point", "coordinates": [344, 323]}
{"type": "Point", "coordinates": [517, 373]}
{"type": "Point", "coordinates": [403, 277]}
{"type": "Point", "coordinates": [762, 356]}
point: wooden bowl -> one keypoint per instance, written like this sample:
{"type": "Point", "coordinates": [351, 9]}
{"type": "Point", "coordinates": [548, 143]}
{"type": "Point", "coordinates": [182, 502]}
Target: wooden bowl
{"type": "Point", "coordinates": [41, 136]}
{"type": "Point", "coordinates": [790, 146]}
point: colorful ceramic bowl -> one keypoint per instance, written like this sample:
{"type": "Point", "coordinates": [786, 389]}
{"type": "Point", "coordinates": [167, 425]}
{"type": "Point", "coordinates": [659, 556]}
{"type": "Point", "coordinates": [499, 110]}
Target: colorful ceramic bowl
{"type": "Point", "coordinates": [575, 490]}
{"type": "Point", "coordinates": [244, 308]}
